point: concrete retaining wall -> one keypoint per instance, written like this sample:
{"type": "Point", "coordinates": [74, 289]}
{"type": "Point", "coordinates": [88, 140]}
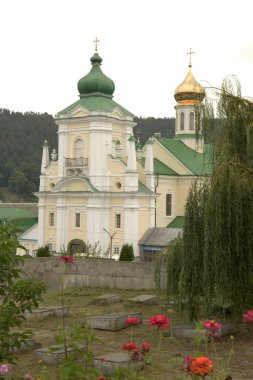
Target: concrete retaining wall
{"type": "Point", "coordinates": [92, 273]}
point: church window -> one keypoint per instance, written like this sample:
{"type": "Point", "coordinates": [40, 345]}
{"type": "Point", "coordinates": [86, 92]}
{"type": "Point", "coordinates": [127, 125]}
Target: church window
{"type": "Point", "coordinates": [116, 250]}
{"type": "Point", "coordinates": [168, 204]}
{"type": "Point", "coordinates": [79, 148]}
{"type": "Point", "coordinates": [191, 124]}
{"type": "Point", "coordinates": [181, 121]}
{"type": "Point", "coordinates": [117, 220]}
{"type": "Point", "coordinates": [78, 220]}
{"type": "Point", "coordinates": [51, 219]}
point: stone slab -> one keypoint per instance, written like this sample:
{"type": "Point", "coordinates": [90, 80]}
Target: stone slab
{"type": "Point", "coordinates": [27, 345]}
{"type": "Point", "coordinates": [189, 331]}
{"type": "Point", "coordinates": [42, 313]}
{"type": "Point", "coordinates": [113, 322]}
{"type": "Point", "coordinates": [54, 355]}
{"type": "Point", "coordinates": [108, 364]}
{"type": "Point", "coordinates": [148, 299]}
{"type": "Point", "coordinates": [105, 299]}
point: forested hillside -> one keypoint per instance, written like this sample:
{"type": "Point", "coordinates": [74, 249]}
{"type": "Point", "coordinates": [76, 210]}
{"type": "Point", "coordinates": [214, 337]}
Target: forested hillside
{"type": "Point", "coordinates": [146, 127]}
{"type": "Point", "coordinates": [21, 138]}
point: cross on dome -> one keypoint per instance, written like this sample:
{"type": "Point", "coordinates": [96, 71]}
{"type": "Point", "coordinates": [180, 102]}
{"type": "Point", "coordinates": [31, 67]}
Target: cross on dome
{"type": "Point", "coordinates": [96, 41]}
{"type": "Point", "coordinates": [190, 56]}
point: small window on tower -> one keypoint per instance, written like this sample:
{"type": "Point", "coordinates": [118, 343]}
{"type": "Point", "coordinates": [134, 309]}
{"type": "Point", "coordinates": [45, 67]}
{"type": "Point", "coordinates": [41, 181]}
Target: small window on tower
{"type": "Point", "coordinates": [78, 220]}
{"type": "Point", "coordinates": [117, 220]}
{"type": "Point", "coordinates": [51, 219]}
{"type": "Point", "coordinates": [168, 204]}
{"type": "Point", "coordinates": [191, 126]}
{"type": "Point", "coordinates": [181, 121]}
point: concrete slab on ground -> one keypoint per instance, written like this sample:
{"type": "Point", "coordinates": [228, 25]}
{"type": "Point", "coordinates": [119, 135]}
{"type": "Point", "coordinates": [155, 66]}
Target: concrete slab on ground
{"type": "Point", "coordinates": [108, 364]}
{"type": "Point", "coordinates": [105, 299]}
{"type": "Point", "coordinates": [42, 313]}
{"type": "Point", "coordinates": [54, 355]}
{"type": "Point", "coordinates": [114, 321]}
{"type": "Point", "coordinates": [148, 299]}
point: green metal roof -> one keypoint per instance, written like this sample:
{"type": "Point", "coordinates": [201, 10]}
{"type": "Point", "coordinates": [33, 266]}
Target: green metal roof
{"type": "Point", "coordinates": [197, 163]}
{"type": "Point", "coordinates": [160, 167]}
{"type": "Point", "coordinates": [22, 219]}
{"type": "Point", "coordinates": [143, 189]}
{"type": "Point", "coordinates": [13, 212]}
{"type": "Point", "coordinates": [177, 222]}
{"type": "Point", "coordinates": [96, 80]}
{"type": "Point", "coordinates": [96, 102]}
{"type": "Point", "coordinates": [24, 224]}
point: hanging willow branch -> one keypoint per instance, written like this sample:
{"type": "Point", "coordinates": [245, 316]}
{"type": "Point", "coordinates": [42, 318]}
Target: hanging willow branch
{"type": "Point", "coordinates": [217, 264]}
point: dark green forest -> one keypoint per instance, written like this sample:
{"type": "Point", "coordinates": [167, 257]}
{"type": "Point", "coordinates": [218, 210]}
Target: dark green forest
{"type": "Point", "coordinates": [21, 138]}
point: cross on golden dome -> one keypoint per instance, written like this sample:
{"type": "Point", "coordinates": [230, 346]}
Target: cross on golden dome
{"type": "Point", "coordinates": [96, 41]}
{"type": "Point", "coordinates": [190, 56]}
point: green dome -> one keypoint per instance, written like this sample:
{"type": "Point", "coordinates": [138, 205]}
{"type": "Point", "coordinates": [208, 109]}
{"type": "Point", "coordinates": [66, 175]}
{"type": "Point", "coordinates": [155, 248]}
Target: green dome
{"type": "Point", "coordinates": [96, 81]}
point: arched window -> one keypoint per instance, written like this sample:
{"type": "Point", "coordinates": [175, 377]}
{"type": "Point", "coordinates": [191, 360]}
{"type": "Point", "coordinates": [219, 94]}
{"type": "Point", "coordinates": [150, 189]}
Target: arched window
{"type": "Point", "coordinates": [79, 148]}
{"type": "Point", "coordinates": [181, 121]}
{"type": "Point", "coordinates": [191, 123]}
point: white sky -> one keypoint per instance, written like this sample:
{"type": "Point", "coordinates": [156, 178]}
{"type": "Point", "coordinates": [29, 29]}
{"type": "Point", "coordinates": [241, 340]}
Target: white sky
{"type": "Point", "coordinates": [46, 46]}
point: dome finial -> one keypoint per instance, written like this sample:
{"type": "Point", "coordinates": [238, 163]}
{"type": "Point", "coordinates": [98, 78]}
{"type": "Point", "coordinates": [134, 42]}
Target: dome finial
{"type": "Point", "coordinates": [96, 41]}
{"type": "Point", "coordinates": [190, 56]}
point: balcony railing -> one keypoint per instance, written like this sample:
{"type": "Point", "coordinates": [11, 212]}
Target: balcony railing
{"type": "Point", "coordinates": [76, 162]}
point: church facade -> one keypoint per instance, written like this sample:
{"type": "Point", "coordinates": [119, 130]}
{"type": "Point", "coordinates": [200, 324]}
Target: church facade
{"type": "Point", "coordinates": [101, 186]}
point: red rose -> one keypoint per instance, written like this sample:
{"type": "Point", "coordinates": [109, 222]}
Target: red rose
{"type": "Point", "coordinates": [129, 346]}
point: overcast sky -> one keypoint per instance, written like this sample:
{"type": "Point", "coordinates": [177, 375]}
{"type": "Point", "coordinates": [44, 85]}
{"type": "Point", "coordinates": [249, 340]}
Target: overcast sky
{"type": "Point", "coordinates": [46, 46]}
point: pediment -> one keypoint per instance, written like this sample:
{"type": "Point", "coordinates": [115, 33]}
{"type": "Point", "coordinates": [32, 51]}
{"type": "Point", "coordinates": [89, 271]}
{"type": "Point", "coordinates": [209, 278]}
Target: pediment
{"type": "Point", "coordinates": [80, 111]}
{"type": "Point", "coordinates": [117, 113]}
{"type": "Point", "coordinates": [74, 184]}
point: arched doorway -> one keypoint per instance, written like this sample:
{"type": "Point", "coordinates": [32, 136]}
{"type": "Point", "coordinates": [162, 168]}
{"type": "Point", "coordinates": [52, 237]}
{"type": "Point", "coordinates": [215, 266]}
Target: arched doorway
{"type": "Point", "coordinates": [76, 246]}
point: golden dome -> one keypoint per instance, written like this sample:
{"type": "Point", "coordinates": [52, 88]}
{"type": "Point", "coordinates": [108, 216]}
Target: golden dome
{"type": "Point", "coordinates": [189, 91]}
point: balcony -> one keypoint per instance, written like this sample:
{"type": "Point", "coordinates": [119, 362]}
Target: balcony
{"type": "Point", "coordinates": [79, 162]}
{"type": "Point", "coordinates": [76, 166]}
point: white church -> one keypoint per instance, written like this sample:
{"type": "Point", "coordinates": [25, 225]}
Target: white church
{"type": "Point", "coordinates": [101, 186]}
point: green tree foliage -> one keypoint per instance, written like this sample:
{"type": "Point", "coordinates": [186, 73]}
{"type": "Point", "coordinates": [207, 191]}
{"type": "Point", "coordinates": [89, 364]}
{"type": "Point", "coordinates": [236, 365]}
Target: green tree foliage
{"type": "Point", "coordinates": [19, 295]}
{"type": "Point", "coordinates": [217, 265]}
{"type": "Point", "coordinates": [43, 252]}
{"type": "Point", "coordinates": [21, 138]}
{"type": "Point", "coordinates": [126, 253]}
{"type": "Point", "coordinates": [146, 127]}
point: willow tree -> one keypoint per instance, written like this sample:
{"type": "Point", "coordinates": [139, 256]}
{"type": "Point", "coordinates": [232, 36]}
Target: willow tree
{"type": "Point", "coordinates": [217, 243]}
{"type": "Point", "coordinates": [228, 210]}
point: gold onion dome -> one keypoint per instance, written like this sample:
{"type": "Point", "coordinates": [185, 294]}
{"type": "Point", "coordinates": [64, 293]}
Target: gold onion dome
{"type": "Point", "coordinates": [189, 91]}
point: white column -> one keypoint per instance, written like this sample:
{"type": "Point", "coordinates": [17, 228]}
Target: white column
{"type": "Point", "coordinates": [61, 226]}
{"type": "Point", "coordinates": [100, 146]}
{"type": "Point", "coordinates": [62, 149]}
{"type": "Point", "coordinates": [131, 179]}
{"type": "Point", "coordinates": [98, 218]}
{"type": "Point", "coordinates": [41, 223]}
{"type": "Point", "coordinates": [131, 224]}
{"type": "Point", "coordinates": [149, 166]}
{"type": "Point", "coordinates": [45, 157]}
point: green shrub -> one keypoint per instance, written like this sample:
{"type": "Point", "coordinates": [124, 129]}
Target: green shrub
{"type": "Point", "coordinates": [27, 256]}
{"type": "Point", "coordinates": [126, 253]}
{"type": "Point", "coordinates": [43, 252]}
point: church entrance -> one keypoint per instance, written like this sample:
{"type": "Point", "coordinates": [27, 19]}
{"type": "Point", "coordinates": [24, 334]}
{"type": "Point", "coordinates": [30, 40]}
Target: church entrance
{"type": "Point", "coordinates": [76, 246]}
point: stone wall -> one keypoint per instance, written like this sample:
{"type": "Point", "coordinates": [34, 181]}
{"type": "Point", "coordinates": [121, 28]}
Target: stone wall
{"type": "Point", "coordinates": [92, 273]}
